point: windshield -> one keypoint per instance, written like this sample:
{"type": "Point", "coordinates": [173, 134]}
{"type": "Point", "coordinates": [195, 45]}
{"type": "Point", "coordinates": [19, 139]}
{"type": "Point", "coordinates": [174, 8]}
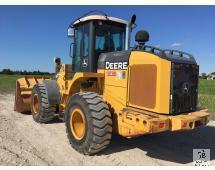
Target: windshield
{"type": "Point", "coordinates": [109, 37]}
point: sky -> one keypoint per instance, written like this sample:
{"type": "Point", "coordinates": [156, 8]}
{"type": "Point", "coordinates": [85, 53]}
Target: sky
{"type": "Point", "coordinates": [30, 36]}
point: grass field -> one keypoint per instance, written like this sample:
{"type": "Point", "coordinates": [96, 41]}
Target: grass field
{"type": "Point", "coordinates": [8, 83]}
{"type": "Point", "coordinates": [207, 95]}
{"type": "Point", "coordinates": [206, 91]}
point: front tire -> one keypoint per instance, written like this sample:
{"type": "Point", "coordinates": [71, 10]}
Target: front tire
{"type": "Point", "coordinates": [88, 123]}
{"type": "Point", "coordinates": [41, 110]}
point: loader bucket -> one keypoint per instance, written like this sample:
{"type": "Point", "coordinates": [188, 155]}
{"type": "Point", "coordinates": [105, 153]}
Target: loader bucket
{"type": "Point", "coordinates": [24, 88]}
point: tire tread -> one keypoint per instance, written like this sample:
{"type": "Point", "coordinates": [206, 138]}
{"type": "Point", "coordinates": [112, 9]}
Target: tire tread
{"type": "Point", "coordinates": [101, 123]}
{"type": "Point", "coordinates": [47, 112]}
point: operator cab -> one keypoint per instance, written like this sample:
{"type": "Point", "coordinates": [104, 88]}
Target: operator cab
{"type": "Point", "coordinates": [96, 34]}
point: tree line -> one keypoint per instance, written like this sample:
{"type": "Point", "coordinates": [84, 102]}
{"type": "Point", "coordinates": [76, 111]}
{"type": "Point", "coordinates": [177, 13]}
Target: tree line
{"type": "Point", "coordinates": [18, 72]}
{"type": "Point", "coordinates": [205, 75]}
{"type": "Point", "coordinates": [24, 72]}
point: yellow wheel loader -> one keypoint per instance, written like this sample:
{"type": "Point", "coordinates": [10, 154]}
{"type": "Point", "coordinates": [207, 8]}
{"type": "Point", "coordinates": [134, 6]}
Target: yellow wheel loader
{"type": "Point", "coordinates": [113, 88]}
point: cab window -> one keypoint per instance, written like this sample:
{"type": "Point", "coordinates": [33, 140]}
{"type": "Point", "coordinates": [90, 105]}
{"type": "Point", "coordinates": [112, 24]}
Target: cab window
{"type": "Point", "coordinates": [81, 48]}
{"type": "Point", "coordinates": [109, 37]}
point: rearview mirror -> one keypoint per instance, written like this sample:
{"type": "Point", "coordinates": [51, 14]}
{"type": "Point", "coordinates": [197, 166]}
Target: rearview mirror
{"type": "Point", "coordinates": [71, 32]}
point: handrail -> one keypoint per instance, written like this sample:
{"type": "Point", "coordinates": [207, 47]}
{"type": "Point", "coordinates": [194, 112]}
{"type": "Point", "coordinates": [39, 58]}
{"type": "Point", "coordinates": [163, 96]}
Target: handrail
{"type": "Point", "coordinates": [164, 53]}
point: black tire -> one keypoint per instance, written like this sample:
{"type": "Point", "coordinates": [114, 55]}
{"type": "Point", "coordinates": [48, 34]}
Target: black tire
{"type": "Point", "coordinates": [45, 113]}
{"type": "Point", "coordinates": [98, 131]}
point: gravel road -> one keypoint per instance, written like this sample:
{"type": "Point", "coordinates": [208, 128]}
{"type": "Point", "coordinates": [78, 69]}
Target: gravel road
{"type": "Point", "coordinates": [24, 142]}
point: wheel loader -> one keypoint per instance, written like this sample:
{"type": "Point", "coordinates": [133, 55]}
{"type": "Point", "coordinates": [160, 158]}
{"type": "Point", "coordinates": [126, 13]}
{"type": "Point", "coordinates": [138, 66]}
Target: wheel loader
{"type": "Point", "coordinates": [111, 87]}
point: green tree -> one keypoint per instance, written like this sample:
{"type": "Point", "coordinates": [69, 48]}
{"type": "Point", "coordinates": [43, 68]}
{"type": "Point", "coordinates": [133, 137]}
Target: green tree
{"type": "Point", "coordinates": [203, 75]}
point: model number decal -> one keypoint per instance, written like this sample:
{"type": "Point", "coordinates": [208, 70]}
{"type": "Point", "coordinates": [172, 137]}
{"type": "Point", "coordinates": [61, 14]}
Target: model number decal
{"type": "Point", "coordinates": [116, 66]}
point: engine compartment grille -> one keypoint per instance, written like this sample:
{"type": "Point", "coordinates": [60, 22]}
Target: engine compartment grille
{"type": "Point", "coordinates": [184, 88]}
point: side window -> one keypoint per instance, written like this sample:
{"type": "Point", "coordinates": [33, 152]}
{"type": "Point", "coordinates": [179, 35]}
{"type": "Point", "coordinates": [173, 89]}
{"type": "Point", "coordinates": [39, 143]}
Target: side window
{"type": "Point", "coordinates": [81, 52]}
{"type": "Point", "coordinates": [109, 38]}
{"type": "Point", "coordinates": [86, 41]}
{"type": "Point", "coordinates": [77, 51]}
{"type": "Point", "coordinates": [99, 43]}
{"type": "Point", "coordinates": [118, 39]}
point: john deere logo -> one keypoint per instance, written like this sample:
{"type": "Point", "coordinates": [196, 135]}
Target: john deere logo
{"type": "Point", "coordinates": [116, 66]}
{"type": "Point", "coordinates": [185, 87]}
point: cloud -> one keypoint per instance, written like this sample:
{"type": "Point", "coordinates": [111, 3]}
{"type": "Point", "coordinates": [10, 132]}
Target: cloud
{"type": "Point", "coordinates": [176, 44]}
{"type": "Point", "coordinates": [158, 46]}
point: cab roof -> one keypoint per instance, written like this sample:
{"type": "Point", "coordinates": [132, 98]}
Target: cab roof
{"type": "Point", "coordinates": [100, 17]}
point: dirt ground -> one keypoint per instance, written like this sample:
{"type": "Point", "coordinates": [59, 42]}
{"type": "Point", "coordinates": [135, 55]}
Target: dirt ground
{"type": "Point", "coordinates": [24, 142]}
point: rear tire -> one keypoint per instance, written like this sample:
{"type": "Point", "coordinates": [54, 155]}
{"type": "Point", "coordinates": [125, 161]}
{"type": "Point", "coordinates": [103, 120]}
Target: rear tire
{"type": "Point", "coordinates": [96, 120]}
{"type": "Point", "coordinates": [41, 111]}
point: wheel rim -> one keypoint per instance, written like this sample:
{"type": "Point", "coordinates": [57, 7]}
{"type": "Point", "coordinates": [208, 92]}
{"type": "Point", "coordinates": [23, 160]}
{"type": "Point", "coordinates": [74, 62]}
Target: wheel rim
{"type": "Point", "coordinates": [77, 123]}
{"type": "Point", "coordinates": [36, 104]}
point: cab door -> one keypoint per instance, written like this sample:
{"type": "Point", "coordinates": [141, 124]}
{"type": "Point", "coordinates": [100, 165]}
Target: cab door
{"type": "Point", "coordinates": [80, 60]}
